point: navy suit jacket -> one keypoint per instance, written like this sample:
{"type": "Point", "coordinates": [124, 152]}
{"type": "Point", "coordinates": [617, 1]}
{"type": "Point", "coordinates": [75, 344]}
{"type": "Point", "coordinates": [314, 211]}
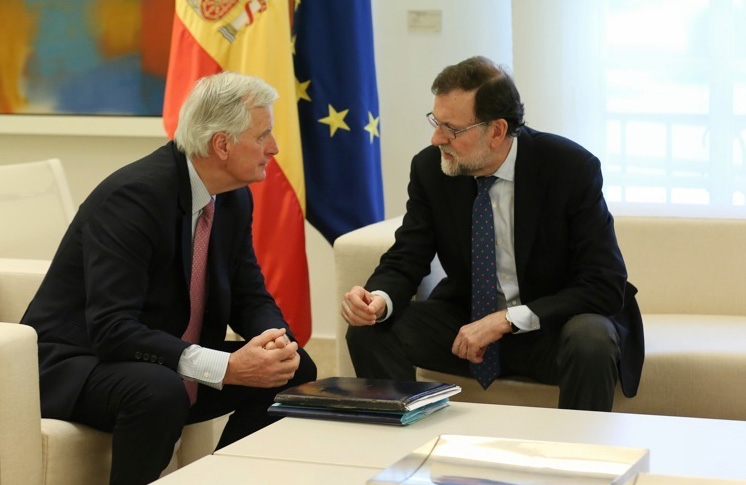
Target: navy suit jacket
{"type": "Point", "coordinates": [568, 261]}
{"type": "Point", "coordinates": [118, 287]}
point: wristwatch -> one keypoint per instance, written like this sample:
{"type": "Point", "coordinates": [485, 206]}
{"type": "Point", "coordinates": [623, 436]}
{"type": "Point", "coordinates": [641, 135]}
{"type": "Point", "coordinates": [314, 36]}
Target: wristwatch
{"type": "Point", "coordinates": [513, 327]}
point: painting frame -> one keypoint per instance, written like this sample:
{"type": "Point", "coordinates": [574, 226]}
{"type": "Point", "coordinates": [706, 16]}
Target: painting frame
{"type": "Point", "coordinates": [79, 125]}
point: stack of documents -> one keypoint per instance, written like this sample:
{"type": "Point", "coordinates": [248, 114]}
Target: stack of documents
{"type": "Point", "coordinates": [363, 400]}
{"type": "Point", "coordinates": [479, 460]}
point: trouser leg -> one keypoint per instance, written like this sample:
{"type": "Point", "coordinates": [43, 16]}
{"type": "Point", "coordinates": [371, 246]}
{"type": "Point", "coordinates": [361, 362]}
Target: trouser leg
{"type": "Point", "coordinates": [581, 357]}
{"type": "Point", "coordinates": [587, 360]}
{"type": "Point", "coordinates": [248, 404]}
{"type": "Point", "coordinates": [145, 407]}
{"type": "Point", "coordinates": [422, 336]}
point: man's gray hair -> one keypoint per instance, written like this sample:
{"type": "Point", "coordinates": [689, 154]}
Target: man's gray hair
{"type": "Point", "coordinates": [220, 103]}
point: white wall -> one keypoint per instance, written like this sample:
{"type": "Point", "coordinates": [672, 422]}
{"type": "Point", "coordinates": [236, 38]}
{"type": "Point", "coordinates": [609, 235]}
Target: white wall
{"type": "Point", "coordinates": [546, 66]}
{"type": "Point", "coordinates": [406, 64]}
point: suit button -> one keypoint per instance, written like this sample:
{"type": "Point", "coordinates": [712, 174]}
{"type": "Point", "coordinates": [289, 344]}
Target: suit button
{"type": "Point", "coordinates": [153, 358]}
{"type": "Point", "coordinates": [161, 360]}
{"type": "Point", "coordinates": [138, 354]}
{"type": "Point", "coordinates": [146, 356]}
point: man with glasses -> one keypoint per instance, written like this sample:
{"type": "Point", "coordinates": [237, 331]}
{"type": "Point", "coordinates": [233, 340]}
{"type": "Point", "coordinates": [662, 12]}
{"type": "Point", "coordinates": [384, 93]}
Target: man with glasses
{"type": "Point", "coordinates": [536, 284]}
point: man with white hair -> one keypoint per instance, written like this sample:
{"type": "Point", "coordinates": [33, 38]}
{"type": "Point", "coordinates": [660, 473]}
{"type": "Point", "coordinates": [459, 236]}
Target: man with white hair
{"type": "Point", "coordinates": [132, 320]}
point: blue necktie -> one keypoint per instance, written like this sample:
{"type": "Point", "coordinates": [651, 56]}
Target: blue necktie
{"type": "Point", "coordinates": [484, 275]}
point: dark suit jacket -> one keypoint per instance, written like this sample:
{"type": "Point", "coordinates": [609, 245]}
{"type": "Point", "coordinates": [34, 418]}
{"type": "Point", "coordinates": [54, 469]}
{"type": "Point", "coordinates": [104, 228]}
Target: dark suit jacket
{"type": "Point", "coordinates": [567, 258]}
{"type": "Point", "coordinates": [118, 287]}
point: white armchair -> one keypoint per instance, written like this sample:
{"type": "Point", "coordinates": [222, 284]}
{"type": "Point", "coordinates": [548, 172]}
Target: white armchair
{"type": "Point", "coordinates": [35, 209]}
{"type": "Point", "coordinates": [36, 451]}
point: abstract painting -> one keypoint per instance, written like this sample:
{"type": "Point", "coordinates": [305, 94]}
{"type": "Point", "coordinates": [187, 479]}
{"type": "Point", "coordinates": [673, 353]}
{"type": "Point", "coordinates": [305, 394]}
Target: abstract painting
{"type": "Point", "coordinates": [84, 57]}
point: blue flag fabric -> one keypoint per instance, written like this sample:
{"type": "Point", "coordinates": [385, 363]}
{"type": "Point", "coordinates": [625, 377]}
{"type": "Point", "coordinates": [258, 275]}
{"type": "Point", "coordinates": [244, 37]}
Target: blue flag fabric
{"type": "Point", "coordinates": [338, 110]}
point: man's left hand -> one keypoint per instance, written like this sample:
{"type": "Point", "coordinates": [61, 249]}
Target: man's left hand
{"type": "Point", "coordinates": [279, 343]}
{"type": "Point", "coordinates": [473, 338]}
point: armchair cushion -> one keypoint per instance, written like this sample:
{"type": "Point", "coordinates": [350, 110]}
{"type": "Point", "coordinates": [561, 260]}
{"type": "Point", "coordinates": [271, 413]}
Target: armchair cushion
{"type": "Point", "coordinates": [74, 453]}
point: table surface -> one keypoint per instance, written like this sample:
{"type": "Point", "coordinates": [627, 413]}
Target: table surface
{"type": "Point", "coordinates": [648, 479]}
{"type": "Point", "coordinates": [240, 470]}
{"type": "Point", "coordinates": [678, 446]}
{"type": "Point", "coordinates": [232, 470]}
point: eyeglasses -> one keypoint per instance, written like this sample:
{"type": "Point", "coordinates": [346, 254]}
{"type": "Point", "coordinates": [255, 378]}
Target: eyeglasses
{"type": "Point", "coordinates": [449, 132]}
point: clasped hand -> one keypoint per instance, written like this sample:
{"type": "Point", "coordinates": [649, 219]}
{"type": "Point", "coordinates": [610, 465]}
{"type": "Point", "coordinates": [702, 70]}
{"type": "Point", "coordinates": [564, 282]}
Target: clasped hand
{"type": "Point", "coordinates": [267, 360]}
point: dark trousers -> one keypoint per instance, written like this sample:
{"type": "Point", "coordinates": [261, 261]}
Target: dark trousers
{"type": "Point", "coordinates": [145, 407]}
{"type": "Point", "coordinates": [581, 356]}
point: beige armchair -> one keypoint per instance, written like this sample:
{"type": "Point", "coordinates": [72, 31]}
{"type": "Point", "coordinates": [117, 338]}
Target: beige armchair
{"type": "Point", "coordinates": [35, 451]}
{"type": "Point", "coordinates": [35, 209]}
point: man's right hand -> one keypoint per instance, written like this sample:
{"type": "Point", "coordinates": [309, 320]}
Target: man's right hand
{"type": "Point", "coordinates": [360, 307]}
{"type": "Point", "coordinates": [254, 365]}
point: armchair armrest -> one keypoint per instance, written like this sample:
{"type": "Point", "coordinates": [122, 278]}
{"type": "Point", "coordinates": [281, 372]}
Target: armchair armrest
{"type": "Point", "coordinates": [20, 414]}
{"type": "Point", "coordinates": [356, 255]}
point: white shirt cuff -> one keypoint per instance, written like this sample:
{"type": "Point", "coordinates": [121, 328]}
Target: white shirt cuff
{"type": "Point", "coordinates": [523, 318]}
{"type": "Point", "coordinates": [389, 304]}
{"type": "Point", "coordinates": [206, 366]}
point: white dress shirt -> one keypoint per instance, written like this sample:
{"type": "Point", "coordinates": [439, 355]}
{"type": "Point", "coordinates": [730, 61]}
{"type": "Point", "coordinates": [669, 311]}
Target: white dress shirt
{"type": "Point", "coordinates": [502, 195]}
{"type": "Point", "coordinates": [206, 366]}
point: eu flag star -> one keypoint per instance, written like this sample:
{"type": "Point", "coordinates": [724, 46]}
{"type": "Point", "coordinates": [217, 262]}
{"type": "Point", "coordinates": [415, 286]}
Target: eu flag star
{"type": "Point", "coordinates": [301, 90]}
{"type": "Point", "coordinates": [334, 49]}
{"type": "Point", "coordinates": [335, 120]}
{"type": "Point", "coordinates": [372, 126]}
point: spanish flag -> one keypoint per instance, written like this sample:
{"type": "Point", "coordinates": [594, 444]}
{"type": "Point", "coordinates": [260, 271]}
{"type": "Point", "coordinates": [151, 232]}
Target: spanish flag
{"type": "Point", "coordinates": [253, 37]}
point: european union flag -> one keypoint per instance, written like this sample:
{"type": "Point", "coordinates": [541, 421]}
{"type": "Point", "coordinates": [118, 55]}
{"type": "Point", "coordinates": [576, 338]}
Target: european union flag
{"type": "Point", "coordinates": [338, 111]}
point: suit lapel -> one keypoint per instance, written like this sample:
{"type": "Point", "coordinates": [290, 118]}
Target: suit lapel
{"type": "Point", "coordinates": [225, 217]}
{"type": "Point", "coordinates": [530, 190]}
{"type": "Point", "coordinates": [185, 205]}
{"type": "Point", "coordinates": [186, 247]}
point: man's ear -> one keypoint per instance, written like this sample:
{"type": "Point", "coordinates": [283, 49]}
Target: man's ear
{"type": "Point", "coordinates": [499, 131]}
{"type": "Point", "coordinates": [219, 144]}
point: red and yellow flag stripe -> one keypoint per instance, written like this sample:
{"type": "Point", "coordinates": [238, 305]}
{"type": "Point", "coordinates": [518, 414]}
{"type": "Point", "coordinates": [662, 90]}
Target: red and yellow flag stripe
{"type": "Point", "coordinates": [253, 37]}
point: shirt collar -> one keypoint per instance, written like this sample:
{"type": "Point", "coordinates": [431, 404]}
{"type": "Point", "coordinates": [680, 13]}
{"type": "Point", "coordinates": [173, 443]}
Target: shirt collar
{"type": "Point", "coordinates": [200, 195]}
{"type": "Point", "coordinates": [507, 169]}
